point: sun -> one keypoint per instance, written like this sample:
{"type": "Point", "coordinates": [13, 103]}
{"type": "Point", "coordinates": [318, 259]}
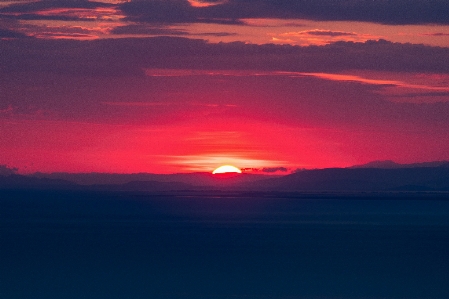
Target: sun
{"type": "Point", "coordinates": [227, 169]}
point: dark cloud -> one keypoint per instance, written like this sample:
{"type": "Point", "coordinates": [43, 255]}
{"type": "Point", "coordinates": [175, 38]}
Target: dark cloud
{"type": "Point", "coordinates": [31, 7]}
{"type": "Point", "coordinates": [329, 33]}
{"type": "Point", "coordinates": [30, 11]}
{"type": "Point", "coordinates": [211, 1]}
{"type": "Point", "coordinates": [6, 33]}
{"type": "Point", "coordinates": [249, 169]}
{"type": "Point", "coordinates": [388, 11]}
{"type": "Point", "coordinates": [266, 169]}
{"type": "Point", "coordinates": [381, 11]}
{"type": "Point", "coordinates": [146, 30]}
{"type": "Point", "coordinates": [436, 34]}
{"type": "Point", "coordinates": [73, 57]}
{"type": "Point", "coordinates": [160, 11]}
{"type": "Point", "coordinates": [38, 17]}
{"type": "Point", "coordinates": [216, 34]}
{"type": "Point", "coordinates": [220, 21]}
{"type": "Point", "coordinates": [232, 11]}
{"type": "Point", "coordinates": [173, 11]}
{"type": "Point", "coordinates": [274, 169]}
{"type": "Point", "coordinates": [131, 56]}
{"type": "Point", "coordinates": [384, 11]}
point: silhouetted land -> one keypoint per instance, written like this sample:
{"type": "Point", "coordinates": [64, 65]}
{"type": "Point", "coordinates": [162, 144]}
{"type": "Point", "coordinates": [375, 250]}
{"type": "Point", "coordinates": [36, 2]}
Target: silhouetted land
{"type": "Point", "coordinates": [424, 178]}
{"type": "Point", "coordinates": [360, 179]}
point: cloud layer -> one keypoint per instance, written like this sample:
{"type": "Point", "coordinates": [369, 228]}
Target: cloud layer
{"type": "Point", "coordinates": [184, 11]}
{"type": "Point", "coordinates": [132, 56]}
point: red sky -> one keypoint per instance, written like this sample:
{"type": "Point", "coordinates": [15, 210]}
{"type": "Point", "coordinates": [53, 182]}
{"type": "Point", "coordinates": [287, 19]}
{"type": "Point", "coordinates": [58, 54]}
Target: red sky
{"type": "Point", "coordinates": [181, 86]}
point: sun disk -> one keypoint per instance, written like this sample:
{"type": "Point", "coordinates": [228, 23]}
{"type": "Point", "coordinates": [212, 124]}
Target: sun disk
{"type": "Point", "coordinates": [227, 169]}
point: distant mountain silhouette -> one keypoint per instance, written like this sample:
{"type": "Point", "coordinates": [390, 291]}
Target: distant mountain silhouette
{"type": "Point", "coordinates": [379, 164]}
{"type": "Point", "coordinates": [197, 178]}
{"type": "Point", "coordinates": [16, 181]}
{"type": "Point", "coordinates": [357, 179]}
{"type": "Point", "coordinates": [150, 186]}
{"type": "Point", "coordinates": [5, 170]}
{"type": "Point", "coordinates": [127, 182]}
{"type": "Point", "coordinates": [388, 164]}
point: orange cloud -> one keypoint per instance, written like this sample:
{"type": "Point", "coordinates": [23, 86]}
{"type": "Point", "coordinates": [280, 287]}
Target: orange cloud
{"type": "Point", "coordinates": [71, 23]}
{"type": "Point", "coordinates": [323, 37]}
{"type": "Point", "coordinates": [65, 35]}
{"type": "Point", "coordinates": [205, 3]}
{"type": "Point", "coordinates": [415, 88]}
{"type": "Point", "coordinates": [112, 1]}
{"type": "Point", "coordinates": [98, 13]}
{"type": "Point", "coordinates": [353, 78]}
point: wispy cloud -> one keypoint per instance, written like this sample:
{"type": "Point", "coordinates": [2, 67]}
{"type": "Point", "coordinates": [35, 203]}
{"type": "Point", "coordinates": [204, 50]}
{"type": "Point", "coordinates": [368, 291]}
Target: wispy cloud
{"type": "Point", "coordinates": [395, 90]}
{"type": "Point", "coordinates": [85, 14]}
{"type": "Point", "coordinates": [353, 78]}
{"type": "Point", "coordinates": [69, 11]}
{"type": "Point", "coordinates": [427, 85]}
{"type": "Point", "coordinates": [65, 35]}
{"type": "Point", "coordinates": [321, 37]}
{"type": "Point", "coordinates": [55, 19]}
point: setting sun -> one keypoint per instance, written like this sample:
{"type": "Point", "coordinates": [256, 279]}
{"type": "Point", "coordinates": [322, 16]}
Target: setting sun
{"type": "Point", "coordinates": [227, 169]}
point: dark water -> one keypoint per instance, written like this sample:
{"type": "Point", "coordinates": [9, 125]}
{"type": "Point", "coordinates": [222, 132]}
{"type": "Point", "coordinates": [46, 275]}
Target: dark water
{"type": "Point", "coordinates": [222, 245]}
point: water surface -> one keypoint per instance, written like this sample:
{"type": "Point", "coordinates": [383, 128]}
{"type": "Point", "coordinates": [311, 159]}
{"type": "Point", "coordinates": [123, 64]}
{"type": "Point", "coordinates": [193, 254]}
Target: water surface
{"type": "Point", "coordinates": [223, 245]}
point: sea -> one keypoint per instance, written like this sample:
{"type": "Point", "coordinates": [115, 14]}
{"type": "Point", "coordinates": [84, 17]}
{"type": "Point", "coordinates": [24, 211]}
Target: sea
{"type": "Point", "coordinates": [223, 244]}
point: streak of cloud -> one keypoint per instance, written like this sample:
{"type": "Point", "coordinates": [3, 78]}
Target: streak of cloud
{"type": "Point", "coordinates": [322, 37]}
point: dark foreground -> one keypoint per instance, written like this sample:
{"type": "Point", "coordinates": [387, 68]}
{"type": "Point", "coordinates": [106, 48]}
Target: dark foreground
{"type": "Point", "coordinates": [223, 245]}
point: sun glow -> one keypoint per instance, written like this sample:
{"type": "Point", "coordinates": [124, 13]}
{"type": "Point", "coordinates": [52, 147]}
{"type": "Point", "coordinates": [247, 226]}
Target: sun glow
{"type": "Point", "coordinates": [227, 169]}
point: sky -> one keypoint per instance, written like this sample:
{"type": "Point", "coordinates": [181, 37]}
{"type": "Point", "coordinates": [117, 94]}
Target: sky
{"type": "Point", "coordinates": [269, 86]}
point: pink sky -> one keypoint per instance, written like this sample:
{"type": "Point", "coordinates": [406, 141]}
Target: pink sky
{"type": "Point", "coordinates": [98, 87]}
